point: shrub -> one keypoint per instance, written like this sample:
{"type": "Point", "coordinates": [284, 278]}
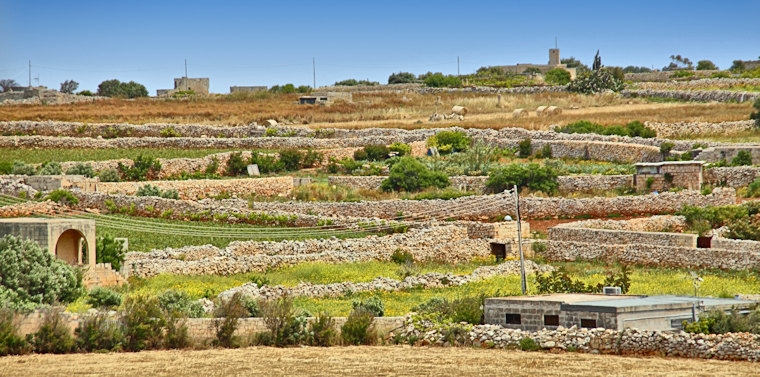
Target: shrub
{"type": "Point", "coordinates": [81, 169]}
{"type": "Point", "coordinates": [6, 167]}
{"type": "Point", "coordinates": [559, 281]}
{"type": "Point", "coordinates": [402, 257]}
{"type": "Point", "coordinates": [176, 331]}
{"type": "Point", "coordinates": [11, 343]}
{"type": "Point", "coordinates": [311, 159]}
{"type": "Point", "coordinates": [373, 305]}
{"type": "Point", "coordinates": [61, 196]}
{"type": "Point", "coordinates": [439, 80]}
{"type": "Point", "coordinates": [528, 344]}
{"type": "Point", "coordinates": [410, 175]}
{"type": "Point", "coordinates": [170, 132]}
{"type": "Point", "coordinates": [236, 165]}
{"type": "Point", "coordinates": [116, 88]}
{"type": "Point", "coordinates": [742, 158]}
{"type": "Point", "coordinates": [524, 148]}
{"type": "Point", "coordinates": [286, 326]}
{"type": "Point", "coordinates": [753, 190]}
{"type": "Point", "coordinates": [291, 159]}
{"type": "Point", "coordinates": [466, 309]}
{"type": "Point", "coordinates": [20, 168]}
{"type": "Point", "coordinates": [450, 141]}
{"type": "Point", "coordinates": [720, 322]}
{"type": "Point", "coordinates": [53, 335]}
{"type": "Point", "coordinates": [179, 302]}
{"type": "Point", "coordinates": [150, 190]}
{"type": "Point", "coordinates": [228, 312]}
{"type": "Point", "coordinates": [401, 78]}
{"type": "Point", "coordinates": [322, 330]}
{"type": "Point", "coordinates": [143, 168]}
{"type": "Point", "coordinates": [532, 176]}
{"type": "Point", "coordinates": [100, 297]}
{"type": "Point", "coordinates": [109, 175]}
{"type": "Point", "coordinates": [50, 168]}
{"type": "Point", "coordinates": [401, 149]}
{"type": "Point", "coordinates": [32, 276]}
{"type": "Point", "coordinates": [756, 114]}
{"type": "Point", "coordinates": [557, 76]}
{"type": "Point", "coordinates": [358, 328]}
{"type": "Point", "coordinates": [596, 81]}
{"type": "Point", "coordinates": [666, 147]}
{"type": "Point", "coordinates": [110, 251]}
{"type": "Point", "coordinates": [546, 151]}
{"type": "Point", "coordinates": [372, 153]}
{"type": "Point", "coordinates": [631, 129]}
{"type": "Point", "coordinates": [143, 323]}
{"type": "Point", "coordinates": [99, 333]}
{"type": "Point", "coordinates": [267, 163]}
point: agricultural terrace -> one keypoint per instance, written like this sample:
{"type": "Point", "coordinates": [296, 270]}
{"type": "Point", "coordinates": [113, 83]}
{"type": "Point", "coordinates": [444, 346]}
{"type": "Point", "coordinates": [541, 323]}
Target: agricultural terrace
{"type": "Point", "coordinates": [368, 208]}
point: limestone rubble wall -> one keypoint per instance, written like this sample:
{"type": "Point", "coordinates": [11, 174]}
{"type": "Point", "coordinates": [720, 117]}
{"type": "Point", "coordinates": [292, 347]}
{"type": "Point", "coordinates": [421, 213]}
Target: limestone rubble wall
{"type": "Point", "coordinates": [693, 95]}
{"type": "Point", "coordinates": [737, 176]}
{"type": "Point", "coordinates": [731, 244]}
{"type": "Point", "coordinates": [621, 237]}
{"type": "Point", "coordinates": [194, 189]}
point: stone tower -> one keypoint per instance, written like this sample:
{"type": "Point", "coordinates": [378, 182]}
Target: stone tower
{"type": "Point", "coordinates": [554, 56]}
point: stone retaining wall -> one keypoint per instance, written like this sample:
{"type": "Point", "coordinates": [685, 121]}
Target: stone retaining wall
{"type": "Point", "coordinates": [621, 237]}
{"type": "Point", "coordinates": [738, 176]}
{"type": "Point", "coordinates": [693, 95]}
{"type": "Point", "coordinates": [731, 244]}
{"type": "Point", "coordinates": [691, 129]}
{"type": "Point", "coordinates": [707, 84]}
{"type": "Point", "coordinates": [445, 243]}
{"type": "Point", "coordinates": [730, 346]}
{"type": "Point", "coordinates": [715, 154]}
{"type": "Point", "coordinates": [203, 188]}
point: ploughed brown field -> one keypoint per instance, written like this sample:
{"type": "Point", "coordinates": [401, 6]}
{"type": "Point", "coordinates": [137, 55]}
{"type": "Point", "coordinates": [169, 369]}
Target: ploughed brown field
{"type": "Point", "coordinates": [363, 361]}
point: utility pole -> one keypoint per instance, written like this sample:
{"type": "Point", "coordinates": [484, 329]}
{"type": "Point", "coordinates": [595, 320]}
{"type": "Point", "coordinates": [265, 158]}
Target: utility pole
{"type": "Point", "coordinates": [523, 282]}
{"type": "Point", "coordinates": [457, 66]}
{"type": "Point", "coordinates": [314, 72]}
{"type": "Point", "coordinates": [30, 73]}
{"type": "Point", "coordinates": [187, 84]}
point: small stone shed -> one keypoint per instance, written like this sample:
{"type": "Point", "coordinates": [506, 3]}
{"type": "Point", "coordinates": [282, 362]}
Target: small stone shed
{"type": "Point", "coordinates": [62, 237]}
{"type": "Point", "coordinates": [615, 312]}
{"type": "Point", "coordinates": [663, 175]}
{"type": "Point", "coordinates": [325, 98]}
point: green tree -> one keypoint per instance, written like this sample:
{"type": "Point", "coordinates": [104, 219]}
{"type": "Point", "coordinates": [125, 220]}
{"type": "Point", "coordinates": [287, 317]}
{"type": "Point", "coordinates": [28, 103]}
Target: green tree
{"type": "Point", "coordinates": [450, 141]}
{"type": "Point", "coordinates": [117, 89]}
{"type": "Point", "coordinates": [110, 251]}
{"type": "Point", "coordinates": [7, 84]}
{"type": "Point", "coordinates": [706, 65]}
{"type": "Point", "coordinates": [532, 176]}
{"type": "Point", "coordinates": [32, 276]}
{"type": "Point", "coordinates": [401, 78]}
{"type": "Point", "coordinates": [69, 86]}
{"type": "Point", "coordinates": [410, 175]}
{"type": "Point", "coordinates": [557, 76]}
{"type": "Point", "coordinates": [439, 80]}
{"type": "Point", "coordinates": [756, 114]}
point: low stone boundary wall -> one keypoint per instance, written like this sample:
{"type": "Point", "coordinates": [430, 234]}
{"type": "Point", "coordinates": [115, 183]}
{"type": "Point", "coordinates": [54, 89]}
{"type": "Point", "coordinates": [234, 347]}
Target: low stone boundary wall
{"type": "Point", "coordinates": [653, 255]}
{"type": "Point", "coordinates": [203, 188]}
{"type": "Point", "coordinates": [681, 129]}
{"type": "Point", "coordinates": [730, 346]}
{"type": "Point", "coordinates": [567, 183]}
{"type": "Point", "coordinates": [738, 176]}
{"type": "Point", "coordinates": [706, 84]}
{"type": "Point", "coordinates": [731, 244]}
{"type": "Point", "coordinates": [445, 243]}
{"type": "Point", "coordinates": [499, 205]}
{"type": "Point", "coordinates": [715, 154]}
{"type": "Point", "coordinates": [621, 237]}
{"type": "Point", "coordinates": [693, 95]}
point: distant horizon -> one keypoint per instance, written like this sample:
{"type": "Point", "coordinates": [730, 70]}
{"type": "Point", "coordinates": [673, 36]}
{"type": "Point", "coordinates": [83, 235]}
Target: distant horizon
{"type": "Point", "coordinates": [236, 43]}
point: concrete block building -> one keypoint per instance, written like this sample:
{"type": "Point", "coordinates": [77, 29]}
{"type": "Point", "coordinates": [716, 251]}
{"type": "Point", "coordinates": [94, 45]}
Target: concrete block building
{"type": "Point", "coordinates": [615, 312]}
{"type": "Point", "coordinates": [662, 176]}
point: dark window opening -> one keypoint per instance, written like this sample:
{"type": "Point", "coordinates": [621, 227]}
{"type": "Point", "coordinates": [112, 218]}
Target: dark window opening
{"type": "Point", "coordinates": [551, 320]}
{"type": "Point", "coordinates": [588, 323]}
{"type": "Point", "coordinates": [513, 319]}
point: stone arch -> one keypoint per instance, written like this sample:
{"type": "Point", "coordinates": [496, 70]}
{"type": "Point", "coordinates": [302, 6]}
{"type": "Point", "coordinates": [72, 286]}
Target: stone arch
{"type": "Point", "coordinates": [68, 247]}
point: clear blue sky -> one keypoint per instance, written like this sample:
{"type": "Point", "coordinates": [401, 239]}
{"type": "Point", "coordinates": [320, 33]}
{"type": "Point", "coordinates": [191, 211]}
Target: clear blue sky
{"type": "Point", "coordinates": [273, 42]}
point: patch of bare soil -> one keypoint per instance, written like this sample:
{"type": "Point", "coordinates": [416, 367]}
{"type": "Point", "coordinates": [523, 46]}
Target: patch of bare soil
{"type": "Point", "coordinates": [363, 361]}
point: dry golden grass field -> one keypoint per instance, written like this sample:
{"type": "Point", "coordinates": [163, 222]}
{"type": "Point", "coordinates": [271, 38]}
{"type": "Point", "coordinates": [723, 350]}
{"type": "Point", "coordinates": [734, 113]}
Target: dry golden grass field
{"type": "Point", "coordinates": [363, 361]}
{"type": "Point", "coordinates": [402, 110]}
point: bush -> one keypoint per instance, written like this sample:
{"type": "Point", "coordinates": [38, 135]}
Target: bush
{"type": "Point", "coordinates": [116, 88]}
{"type": "Point", "coordinates": [110, 251]}
{"type": "Point", "coordinates": [595, 82]}
{"type": "Point", "coordinates": [466, 309]}
{"type": "Point", "coordinates": [524, 148]}
{"type": "Point", "coordinates": [61, 196]}
{"type": "Point", "coordinates": [401, 149]}
{"type": "Point", "coordinates": [559, 281]}
{"type": "Point", "coordinates": [267, 163]}
{"type": "Point", "coordinates": [450, 141]}
{"type": "Point", "coordinates": [109, 175]}
{"type": "Point", "coordinates": [100, 297]}
{"type": "Point", "coordinates": [6, 167]}
{"type": "Point", "coordinates": [31, 276]}
{"type": "Point", "coordinates": [410, 175]}
{"type": "Point", "coordinates": [532, 176]}
{"type": "Point", "coordinates": [358, 328]}
{"type": "Point", "coordinates": [286, 326]}
{"type": "Point", "coordinates": [631, 129]}
{"type": "Point", "coordinates": [179, 302]}
{"type": "Point", "coordinates": [169, 132]}
{"type": "Point", "coordinates": [236, 165]}
{"type": "Point", "coordinates": [176, 331]}
{"type": "Point", "coordinates": [228, 312]}
{"type": "Point", "coordinates": [439, 80]}
{"type": "Point", "coordinates": [311, 159]}
{"type": "Point", "coordinates": [322, 330]}
{"type": "Point", "coordinates": [99, 333]}
{"type": "Point", "coordinates": [373, 305]}
{"type": "Point", "coordinates": [720, 322]}
{"type": "Point", "coordinates": [372, 153]}
{"type": "Point", "coordinates": [557, 76]}
{"type": "Point", "coordinates": [50, 168]}
{"type": "Point", "coordinates": [291, 159]}
{"type": "Point", "coordinates": [743, 158]}
{"type": "Point", "coordinates": [81, 169]}
{"type": "Point", "coordinates": [143, 168]}
{"type": "Point", "coordinates": [20, 168]}
{"type": "Point", "coordinates": [53, 336]}
{"type": "Point", "coordinates": [149, 190]}
{"type": "Point", "coordinates": [756, 114]}
{"type": "Point", "coordinates": [11, 343]}
{"type": "Point", "coordinates": [528, 344]}
{"type": "Point", "coordinates": [69, 86]}
{"type": "Point", "coordinates": [143, 323]}
{"type": "Point", "coordinates": [402, 78]}
{"type": "Point", "coordinates": [402, 257]}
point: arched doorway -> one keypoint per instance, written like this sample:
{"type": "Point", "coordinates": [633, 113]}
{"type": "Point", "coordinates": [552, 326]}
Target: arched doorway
{"type": "Point", "coordinates": [68, 248]}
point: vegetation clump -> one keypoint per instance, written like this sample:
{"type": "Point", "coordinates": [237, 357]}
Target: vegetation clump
{"type": "Point", "coordinates": [533, 176]}
{"type": "Point", "coordinates": [450, 141]}
{"type": "Point", "coordinates": [632, 129]}
{"type": "Point", "coordinates": [596, 81]}
{"type": "Point", "coordinates": [410, 175]}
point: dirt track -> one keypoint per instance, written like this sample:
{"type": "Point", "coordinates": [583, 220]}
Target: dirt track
{"type": "Point", "coordinates": [362, 361]}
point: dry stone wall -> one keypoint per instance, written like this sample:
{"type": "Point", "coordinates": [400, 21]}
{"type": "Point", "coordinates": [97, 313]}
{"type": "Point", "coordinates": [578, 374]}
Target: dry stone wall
{"type": "Point", "coordinates": [730, 346]}
{"type": "Point", "coordinates": [715, 154]}
{"type": "Point", "coordinates": [701, 84]}
{"type": "Point", "coordinates": [738, 176]}
{"type": "Point", "coordinates": [683, 129]}
{"type": "Point", "coordinates": [621, 237]}
{"type": "Point", "coordinates": [693, 95]}
{"type": "Point", "coordinates": [445, 243]}
{"type": "Point", "coordinates": [203, 188]}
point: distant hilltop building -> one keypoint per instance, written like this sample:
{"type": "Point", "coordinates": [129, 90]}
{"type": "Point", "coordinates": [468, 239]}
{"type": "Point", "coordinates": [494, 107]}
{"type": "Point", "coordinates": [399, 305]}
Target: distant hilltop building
{"type": "Point", "coordinates": [554, 62]}
{"type": "Point", "coordinates": [185, 84]}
